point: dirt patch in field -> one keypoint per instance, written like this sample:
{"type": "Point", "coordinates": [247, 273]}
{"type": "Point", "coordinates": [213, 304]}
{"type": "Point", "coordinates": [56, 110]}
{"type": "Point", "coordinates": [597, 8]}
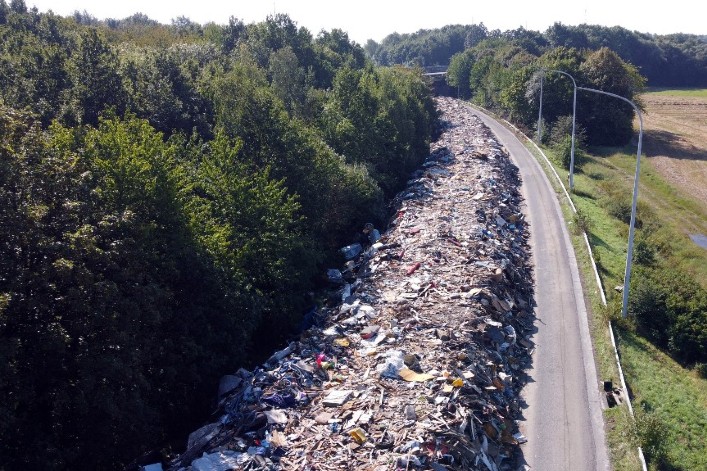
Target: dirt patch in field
{"type": "Point", "coordinates": [675, 140]}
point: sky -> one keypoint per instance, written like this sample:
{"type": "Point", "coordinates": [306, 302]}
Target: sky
{"type": "Point", "coordinates": [375, 19]}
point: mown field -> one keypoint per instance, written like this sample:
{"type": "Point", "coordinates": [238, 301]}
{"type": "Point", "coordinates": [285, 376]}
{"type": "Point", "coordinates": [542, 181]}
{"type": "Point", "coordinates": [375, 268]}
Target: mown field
{"type": "Point", "coordinates": [676, 139]}
{"type": "Point", "coordinates": [670, 398]}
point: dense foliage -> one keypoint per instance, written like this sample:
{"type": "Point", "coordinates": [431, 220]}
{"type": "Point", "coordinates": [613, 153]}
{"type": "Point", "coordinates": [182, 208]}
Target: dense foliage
{"type": "Point", "coordinates": [669, 308]}
{"type": "Point", "coordinates": [674, 60]}
{"type": "Point", "coordinates": [168, 194]}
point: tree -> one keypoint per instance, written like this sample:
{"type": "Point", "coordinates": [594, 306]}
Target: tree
{"type": "Point", "coordinates": [233, 32]}
{"type": "Point", "coordinates": [4, 10]}
{"type": "Point", "coordinates": [334, 50]}
{"type": "Point", "coordinates": [96, 85]}
{"type": "Point", "coordinates": [287, 79]}
{"type": "Point", "coordinates": [561, 35]}
{"type": "Point", "coordinates": [186, 27]}
{"type": "Point", "coordinates": [18, 6]}
{"type": "Point", "coordinates": [459, 72]}
{"type": "Point", "coordinates": [558, 96]}
{"type": "Point", "coordinates": [475, 35]}
{"type": "Point", "coordinates": [609, 121]}
{"type": "Point", "coordinates": [276, 32]}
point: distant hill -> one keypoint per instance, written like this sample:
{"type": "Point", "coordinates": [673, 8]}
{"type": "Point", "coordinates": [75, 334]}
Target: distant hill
{"type": "Point", "coordinates": [674, 60]}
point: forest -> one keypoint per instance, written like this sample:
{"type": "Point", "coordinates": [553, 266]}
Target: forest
{"type": "Point", "coordinates": [170, 196]}
{"type": "Point", "coordinates": [675, 60]}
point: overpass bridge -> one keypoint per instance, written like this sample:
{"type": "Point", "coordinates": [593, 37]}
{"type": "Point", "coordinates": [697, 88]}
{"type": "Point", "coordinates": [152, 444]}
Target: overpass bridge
{"type": "Point", "coordinates": [437, 76]}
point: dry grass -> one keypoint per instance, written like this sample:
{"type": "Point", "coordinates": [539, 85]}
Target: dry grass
{"type": "Point", "coordinates": [675, 141]}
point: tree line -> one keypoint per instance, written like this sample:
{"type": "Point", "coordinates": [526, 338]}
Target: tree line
{"type": "Point", "coordinates": [169, 195]}
{"type": "Point", "coordinates": [501, 75]}
{"type": "Point", "coordinates": [673, 60]}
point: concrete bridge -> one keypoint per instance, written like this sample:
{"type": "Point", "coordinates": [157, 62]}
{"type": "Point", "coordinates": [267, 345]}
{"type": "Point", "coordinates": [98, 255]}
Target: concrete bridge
{"type": "Point", "coordinates": [438, 80]}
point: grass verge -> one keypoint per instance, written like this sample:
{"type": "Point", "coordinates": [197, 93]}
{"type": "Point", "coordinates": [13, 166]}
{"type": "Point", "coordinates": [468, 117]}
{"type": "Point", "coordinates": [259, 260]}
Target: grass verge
{"type": "Point", "coordinates": [675, 395]}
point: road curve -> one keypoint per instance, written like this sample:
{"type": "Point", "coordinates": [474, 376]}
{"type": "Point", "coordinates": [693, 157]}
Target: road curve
{"type": "Point", "coordinates": [563, 420]}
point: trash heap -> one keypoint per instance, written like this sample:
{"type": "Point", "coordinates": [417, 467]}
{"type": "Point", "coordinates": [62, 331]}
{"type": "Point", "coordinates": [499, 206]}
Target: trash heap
{"type": "Point", "coordinates": [420, 362]}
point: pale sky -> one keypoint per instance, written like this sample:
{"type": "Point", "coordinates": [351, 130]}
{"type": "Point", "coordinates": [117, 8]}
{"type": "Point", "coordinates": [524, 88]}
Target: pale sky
{"type": "Point", "coordinates": [369, 19]}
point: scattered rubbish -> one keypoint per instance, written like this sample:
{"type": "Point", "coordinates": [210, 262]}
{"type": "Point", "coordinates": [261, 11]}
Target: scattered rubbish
{"type": "Point", "coordinates": [336, 398]}
{"type": "Point", "coordinates": [221, 461]}
{"type": "Point", "coordinates": [416, 359]}
{"type": "Point", "coordinates": [413, 268]}
{"type": "Point", "coordinates": [276, 416]}
{"type": "Point", "coordinates": [409, 375]}
{"type": "Point", "coordinates": [335, 277]}
{"type": "Point", "coordinates": [395, 360]}
{"type": "Point", "coordinates": [359, 435]}
{"type": "Point", "coordinates": [351, 251]}
{"type": "Point", "coordinates": [227, 384]}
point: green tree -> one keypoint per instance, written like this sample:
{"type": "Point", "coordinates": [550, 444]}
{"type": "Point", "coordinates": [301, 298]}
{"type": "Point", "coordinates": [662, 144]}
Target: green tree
{"type": "Point", "coordinates": [287, 79]}
{"type": "Point", "coordinates": [18, 6]}
{"type": "Point", "coordinates": [233, 32]}
{"type": "Point", "coordinates": [459, 72]}
{"type": "Point", "coordinates": [333, 51]}
{"type": "Point", "coordinates": [609, 121]}
{"type": "Point", "coordinates": [158, 88]}
{"type": "Point", "coordinates": [96, 85]}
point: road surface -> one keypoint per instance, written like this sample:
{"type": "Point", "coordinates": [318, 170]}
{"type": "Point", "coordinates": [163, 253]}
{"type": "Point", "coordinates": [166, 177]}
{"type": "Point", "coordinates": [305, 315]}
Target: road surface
{"type": "Point", "coordinates": [564, 423]}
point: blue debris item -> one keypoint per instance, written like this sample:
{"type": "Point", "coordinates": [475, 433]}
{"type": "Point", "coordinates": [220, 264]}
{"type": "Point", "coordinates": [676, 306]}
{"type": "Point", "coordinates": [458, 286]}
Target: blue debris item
{"type": "Point", "coordinates": [335, 277]}
{"type": "Point", "coordinates": [282, 400]}
{"type": "Point", "coordinates": [374, 236]}
{"type": "Point", "coordinates": [351, 251]}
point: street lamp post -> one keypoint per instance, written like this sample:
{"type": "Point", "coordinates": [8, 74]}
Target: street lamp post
{"type": "Point", "coordinates": [574, 115]}
{"type": "Point", "coordinates": [629, 255]}
{"type": "Point", "coordinates": [540, 111]}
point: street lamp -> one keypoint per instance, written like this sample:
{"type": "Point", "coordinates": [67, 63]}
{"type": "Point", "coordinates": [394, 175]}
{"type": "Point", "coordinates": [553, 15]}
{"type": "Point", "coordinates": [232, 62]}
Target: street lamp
{"type": "Point", "coordinates": [574, 115]}
{"type": "Point", "coordinates": [540, 111]}
{"type": "Point", "coordinates": [629, 255]}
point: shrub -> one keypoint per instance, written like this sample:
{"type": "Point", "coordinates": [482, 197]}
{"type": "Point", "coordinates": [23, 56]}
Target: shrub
{"type": "Point", "coordinates": [652, 432]}
{"type": "Point", "coordinates": [581, 223]}
{"type": "Point", "coordinates": [671, 310]}
{"type": "Point", "coordinates": [644, 252]}
{"type": "Point", "coordinates": [620, 208]}
{"type": "Point", "coordinates": [647, 306]}
{"type": "Point", "coordinates": [563, 152]}
{"type": "Point", "coordinates": [562, 128]}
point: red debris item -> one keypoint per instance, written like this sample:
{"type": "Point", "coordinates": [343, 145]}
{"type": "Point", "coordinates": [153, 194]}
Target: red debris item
{"type": "Point", "coordinates": [320, 358]}
{"type": "Point", "coordinates": [400, 255]}
{"type": "Point", "coordinates": [369, 332]}
{"type": "Point", "coordinates": [413, 268]}
{"type": "Point", "coordinates": [454, 241]}
{"type": "Point", "coordinates": [414, 230]}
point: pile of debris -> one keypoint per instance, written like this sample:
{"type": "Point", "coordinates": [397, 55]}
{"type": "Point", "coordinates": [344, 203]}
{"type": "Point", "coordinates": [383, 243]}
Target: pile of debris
{"type": "Point", "coordinates": [420, 364]}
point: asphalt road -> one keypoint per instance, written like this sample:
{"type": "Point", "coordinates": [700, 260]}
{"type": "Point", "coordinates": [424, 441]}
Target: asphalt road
{"type": "Point", "coordinates": [563, 420]}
